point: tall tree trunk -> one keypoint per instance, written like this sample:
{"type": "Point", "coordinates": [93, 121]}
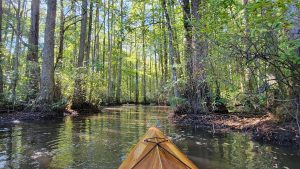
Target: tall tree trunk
{"type": "Point", "coordinates": [155, 56]}
{"type": "Point", "coordinates": [88, 47]}
{"type": "Point", "coordinates": [136, 72]}
{"type": "Point", "coordinates": [96, 55]}
{"type": "Point", "coordinates": [118, 94]}
{"type": "Point", "coordinates": [17, 52]}
{"type": "Point", "coordinates": [171, 49]}
{"type": "Point", "coordinates": [89, 36]}
{"type": "Point", "coordinates": [165, 51]}
{"type": "Point", "coordinates": [104, 41]}
{"type": "Point", "coordinates": [47, 75]}
{"type": "Point", "coordinates": [130, 77]}
{"type": "Point", "coordinates": [1, 51]}
{"type": "Point", "coordinates": [79, 93]}
{"type": "Point", "coordinates": [200, 93]}
{"type": "Point", "coordinates": [175, 40]}
{"type": "Point", "coordinates": [75, 50]}
{"type": "Point", "coordinates": [109, 86]}
{"type": "Point", "coordinates": [96, 52]}
{"type": "Point", "coordinates": [144, 55]}
{"type": "Point", "coordinates": [188, 39]}
{"type": "Point", "coordinates": [161, 50]}
{"type": "Point", "coordinates": [58, 63]}
{"type": "Point", "coordinates": [32, 57]}
{"type": "Point", "coordinates": [188, 52]}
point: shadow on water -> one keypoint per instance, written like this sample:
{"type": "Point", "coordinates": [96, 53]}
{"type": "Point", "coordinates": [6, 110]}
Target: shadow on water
{"type": "Point", "coordinates": [102, 141]}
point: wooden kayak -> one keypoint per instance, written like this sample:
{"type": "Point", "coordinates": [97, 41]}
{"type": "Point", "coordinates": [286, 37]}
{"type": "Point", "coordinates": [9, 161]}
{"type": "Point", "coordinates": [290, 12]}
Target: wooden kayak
{"type": "Point", "coordinates": [156, 151]}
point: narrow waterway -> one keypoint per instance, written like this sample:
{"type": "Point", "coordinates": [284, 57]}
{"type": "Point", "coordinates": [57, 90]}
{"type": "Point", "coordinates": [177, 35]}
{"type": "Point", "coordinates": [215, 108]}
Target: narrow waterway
{"type": "Point", "coordinates": [102, 140]}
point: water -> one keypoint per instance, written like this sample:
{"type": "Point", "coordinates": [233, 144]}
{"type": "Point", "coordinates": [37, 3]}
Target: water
{"type": "Point", "coordinates": [102, 141]}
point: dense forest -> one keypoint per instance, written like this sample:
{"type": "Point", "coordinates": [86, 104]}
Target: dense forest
{"type": "Point", "coordinates": [198, 55]}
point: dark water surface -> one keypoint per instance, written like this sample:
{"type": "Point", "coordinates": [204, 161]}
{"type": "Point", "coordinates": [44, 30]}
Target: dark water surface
{"type": "Point", "coordinates": [102, 141]}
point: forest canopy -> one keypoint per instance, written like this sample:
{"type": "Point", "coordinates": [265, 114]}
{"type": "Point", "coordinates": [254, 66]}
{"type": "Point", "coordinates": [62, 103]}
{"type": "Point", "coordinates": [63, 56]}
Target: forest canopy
{"type": "Point", "coordinates": [197, 55]}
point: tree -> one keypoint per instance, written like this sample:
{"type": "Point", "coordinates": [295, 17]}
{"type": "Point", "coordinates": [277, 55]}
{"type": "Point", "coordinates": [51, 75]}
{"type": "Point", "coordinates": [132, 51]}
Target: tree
{"type": "Point", "coordinates": [171, 50]}
{"type": "Point", "coordinates": [200, 53]}
{"type": "Point", "coordinates": [121, 38]}
{"type": "Point", "coordinates": [58, 63]}
{"type": "Point", "coordinates": [32, 57]}
{"type": "Point", "coordinates": [15, 78]}
{"type": "Point", "coordinates": [79, 93]}
{"type": "Point", "coordinates": [47, 75]}
{"type": "Point", "coordinates": [110, 22]}
{"type": "Point", "coordinates": [1, 52]}
{"type": "Point", "coordinates": [89, 36]}
{"type": "Point", "coordinates": [136, 71]}
{"type": "Point", "coordinates": [144, 54]}
{"type": "Point", "coordinates": [186, 6]}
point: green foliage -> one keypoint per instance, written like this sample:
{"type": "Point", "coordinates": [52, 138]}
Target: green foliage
{"type": "Point", "coordinates": [251, 53]}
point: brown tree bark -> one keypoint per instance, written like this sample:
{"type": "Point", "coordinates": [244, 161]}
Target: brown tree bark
{"type": "Point", "coordinates": [121, 38]}
{"type": "Point", "coordinates": [200, 92]}
{"type": "Point", "coordinates": [47, 75]}
{"type": "Point", "coordinates": [32, 57]}
{"type": "Point", "coordinates": [1, 51]}
{"type": "Point", "coordinates": [144, 55]}
{"type": "Point", "coordinates": [171, 50]}
{"type": "Point", "coordinates": [188, 39]}
{"type": "Point", "coordinates": [17, 52]}
{"type": "Point", "coordinates": [79, 93]}
{"type": "Point", "coordinates": [137, 72]}
{"type": "Point", "coordinates": [109, 69]}
{"type": "Point", "coordinates": [58, 63]}
{"type": "Point", "coordinates": [165, 52]}
{"type": "Point", "coordinates": [89, 36]}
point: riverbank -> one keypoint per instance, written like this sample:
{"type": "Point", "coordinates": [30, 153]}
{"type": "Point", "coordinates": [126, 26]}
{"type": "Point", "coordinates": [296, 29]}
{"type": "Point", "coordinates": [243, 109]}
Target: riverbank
{"type": "Point", "coordinates": [265, 128]}
{"type": "Point", "coordinates": [16, 116]}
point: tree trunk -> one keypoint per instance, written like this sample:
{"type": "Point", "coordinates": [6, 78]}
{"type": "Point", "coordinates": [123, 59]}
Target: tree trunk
{"type": "Point", "coordinates": [171, 50]}
{"type": "Point", "coordinates": [144, 56]}
{"type": "Point", "coordinates": [118, 94]}
{"type": "Point", "coordinates": [96, 57]}
{"type": "Point", "coordinates": [200, 93]}
{"type": "Point", "coordinates": [1, 50]}
{"type": "Point", "coordinates": [47, 75]}
{"type": "Point", "coordinates": [175, 40]}
{"type": "Point", "coordinates": [58, 64]}
{"type": "Point", "coordinates": [17, 52]}
{"type": "Point", "coordinates": [109, 86]}
{"type": "Point", "coordinates": [88, 44]}
{"type": "Point", "coordinates": [73, 6]}
{"type": "Point", "coordinates": [79, 93]}
{"type": "Point", "coordinates": [104, 41]}
{"type": "Point", "coordinates": [188, 39]}
{"type": "Point", "coordinates": [32, 57]}
{"type": "Point", "coordinates": [96, 52]}
{"type": "Point", "coordinates": [136, 72]}
{"type": "Point", "coordinates": [165, 52]}
{"type": "Point", "coordinates": [155, 57]}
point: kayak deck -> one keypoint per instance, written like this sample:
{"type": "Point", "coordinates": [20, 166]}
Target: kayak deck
{"type": "Point", "coordinates": [155, 151]}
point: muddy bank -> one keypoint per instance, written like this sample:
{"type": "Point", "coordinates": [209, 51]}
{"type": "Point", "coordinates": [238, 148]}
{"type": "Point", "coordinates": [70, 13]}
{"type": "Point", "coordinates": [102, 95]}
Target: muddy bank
{"type": "Point", "coordinates": [265, 129]}
{"type": "Point", "coordinates": [14, 117]}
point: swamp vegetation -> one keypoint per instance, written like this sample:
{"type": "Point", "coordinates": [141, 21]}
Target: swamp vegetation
{"type": "Point", "coordinates": [221, 63]}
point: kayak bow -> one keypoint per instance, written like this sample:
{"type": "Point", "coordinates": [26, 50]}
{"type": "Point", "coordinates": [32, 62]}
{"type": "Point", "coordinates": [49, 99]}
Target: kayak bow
{"type": "Point", "coordinates": [155, 151]}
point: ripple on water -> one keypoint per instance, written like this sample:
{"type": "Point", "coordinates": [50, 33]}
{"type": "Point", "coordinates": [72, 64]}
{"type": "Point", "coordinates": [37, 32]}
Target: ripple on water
{"type": "Point", "coordinates": [103, 140]}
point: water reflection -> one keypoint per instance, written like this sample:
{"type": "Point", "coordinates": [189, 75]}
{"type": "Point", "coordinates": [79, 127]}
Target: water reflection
{"type": "Point", "coordinates": [103, 140]}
